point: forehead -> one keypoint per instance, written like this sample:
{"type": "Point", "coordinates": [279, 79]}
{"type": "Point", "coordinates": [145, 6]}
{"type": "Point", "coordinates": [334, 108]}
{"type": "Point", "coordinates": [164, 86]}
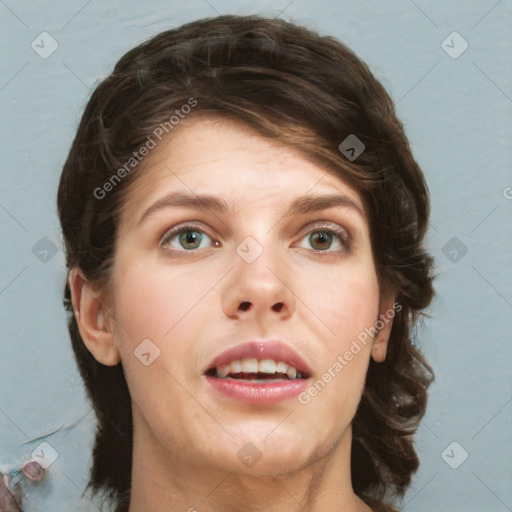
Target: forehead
{"type": "Point", "coordinates": [228, 158]}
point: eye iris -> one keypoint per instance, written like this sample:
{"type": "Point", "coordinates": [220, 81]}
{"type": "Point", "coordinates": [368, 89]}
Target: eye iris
{"type": "Point", "coordinates": [322, 237]}
{"type": "Point", "coordinates": [190, 237]}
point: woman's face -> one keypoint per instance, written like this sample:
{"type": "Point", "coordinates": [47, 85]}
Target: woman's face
{"type": "Point", "coordinates": [298, 282]}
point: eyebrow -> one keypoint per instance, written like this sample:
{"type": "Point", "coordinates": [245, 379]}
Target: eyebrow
{"type": "Point", "coordinates": [301, 205]}
{"type": "Point", "coordinates": [177, 199]}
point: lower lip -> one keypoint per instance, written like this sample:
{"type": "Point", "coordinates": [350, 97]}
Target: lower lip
{"type": "Point", "coordinates": [258, 393]}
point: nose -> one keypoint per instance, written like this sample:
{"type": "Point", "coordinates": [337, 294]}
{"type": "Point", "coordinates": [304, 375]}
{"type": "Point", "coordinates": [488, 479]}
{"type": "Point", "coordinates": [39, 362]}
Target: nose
{"type": "Point", "coordinates": [259, 290]}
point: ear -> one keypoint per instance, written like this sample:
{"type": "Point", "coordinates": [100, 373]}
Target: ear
{"type": "Point", "coordinates": [387, 310]}
{"type": "Point", "coordinates": [94, 321]}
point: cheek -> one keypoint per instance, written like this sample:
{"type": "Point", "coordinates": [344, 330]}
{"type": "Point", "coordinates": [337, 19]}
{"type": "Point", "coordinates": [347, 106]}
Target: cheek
{"type": "Point", "coordinates": [166, 308]}
{"type": "Point", "coordinates": [170, 308]}
{"type": "Point", "coordinates": [347, 304]}
{"type": "Point", "coordinates": [155, 303]}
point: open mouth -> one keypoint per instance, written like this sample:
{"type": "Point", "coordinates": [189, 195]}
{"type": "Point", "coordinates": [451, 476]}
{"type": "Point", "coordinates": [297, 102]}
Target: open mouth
{"type": "Point", "coordinates": [250, 369]}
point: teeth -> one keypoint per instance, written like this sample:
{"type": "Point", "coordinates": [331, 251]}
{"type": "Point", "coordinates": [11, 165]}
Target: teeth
{"type": "Point", "coordinates": [252, 365]}
{"type": "Point", "coordinates": [236, 366]}
{"type": "Point", "coordinates": [223, 371]}
{"type": "Point", "coordinates": [267, 366]}
{"type": "Point", "coordinates": [281, 367]}
{"type": "Point", "coordinates": [291, 372]}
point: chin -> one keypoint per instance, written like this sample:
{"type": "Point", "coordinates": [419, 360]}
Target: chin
{"type": "Point", "coordinates": [266, 463]}
{"type": "Point", "coordinates": [255, 452]}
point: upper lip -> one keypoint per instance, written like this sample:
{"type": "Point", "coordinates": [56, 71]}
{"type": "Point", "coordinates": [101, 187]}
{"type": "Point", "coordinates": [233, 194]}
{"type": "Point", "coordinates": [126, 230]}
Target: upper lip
{"type": "Point", "coordinates": [260, 350]}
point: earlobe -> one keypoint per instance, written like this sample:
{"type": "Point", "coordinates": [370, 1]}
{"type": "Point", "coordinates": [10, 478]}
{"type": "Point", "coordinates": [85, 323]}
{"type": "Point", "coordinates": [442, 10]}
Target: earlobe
{"type": "Point", "coordinates": [379, 349]}
{"type": "Point", "coordinates": [92, 319]}
{"type": "Point", "coordinates": [383, 324]}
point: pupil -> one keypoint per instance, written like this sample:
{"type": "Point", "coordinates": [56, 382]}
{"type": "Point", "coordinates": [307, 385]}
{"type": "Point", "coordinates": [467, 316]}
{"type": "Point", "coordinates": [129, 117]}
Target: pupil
{"type": "Point", "coordinates": [322, 237]}
{"type": "Point", "coordinates": [190, 237]}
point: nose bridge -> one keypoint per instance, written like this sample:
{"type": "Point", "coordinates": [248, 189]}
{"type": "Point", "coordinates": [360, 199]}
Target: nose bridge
{"type": "Point", "coordinates": [260, 261]}
{"type": "Point", "coordinates": [259, 280]}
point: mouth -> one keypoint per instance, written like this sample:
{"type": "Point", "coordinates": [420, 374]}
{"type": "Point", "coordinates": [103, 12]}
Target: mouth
{"type": "Point", "coordinates": [259, 372]}
{"type": "Point", "coordinates": [250, 369]}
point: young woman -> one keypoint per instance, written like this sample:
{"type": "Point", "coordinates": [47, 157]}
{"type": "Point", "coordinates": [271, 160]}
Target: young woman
{"type": "Point", "coordinates": [243, 223]}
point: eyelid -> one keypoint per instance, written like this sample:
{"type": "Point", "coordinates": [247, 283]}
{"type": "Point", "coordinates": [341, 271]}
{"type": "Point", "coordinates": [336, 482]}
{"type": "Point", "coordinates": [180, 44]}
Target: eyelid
{"type": "Point", "coordinates": [320, 223]}
{"type": "Point", "coordinates": [188, 225]}
{"type": "Point", "coordinates": [341, 232]}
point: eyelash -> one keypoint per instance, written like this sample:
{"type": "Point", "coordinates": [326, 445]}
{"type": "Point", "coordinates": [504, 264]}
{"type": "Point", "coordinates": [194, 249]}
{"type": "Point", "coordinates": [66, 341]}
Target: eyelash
{"type": "Point", "coordinates": [331, 229]}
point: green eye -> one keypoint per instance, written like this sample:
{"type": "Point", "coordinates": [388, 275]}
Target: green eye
{"type": "Point", "coordinates": [328, 239]}
{"type": "Point", "coordinates": [188, 238]}
{"type": "Point", "coordinates": [323, 238]}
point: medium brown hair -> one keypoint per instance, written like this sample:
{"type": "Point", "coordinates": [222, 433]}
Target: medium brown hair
{"type": "Point", "coordinates": [303, 90]}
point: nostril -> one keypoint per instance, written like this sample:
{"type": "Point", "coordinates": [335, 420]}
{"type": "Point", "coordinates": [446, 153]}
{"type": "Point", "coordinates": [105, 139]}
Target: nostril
{"type": "Point", "coordinates": [244, 306]}
{"type": "Point", "coordinates": [277, 307]}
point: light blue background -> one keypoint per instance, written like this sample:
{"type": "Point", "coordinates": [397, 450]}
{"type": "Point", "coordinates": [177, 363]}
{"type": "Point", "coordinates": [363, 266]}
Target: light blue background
{"type": "Point", "coordinates": [457, 114]}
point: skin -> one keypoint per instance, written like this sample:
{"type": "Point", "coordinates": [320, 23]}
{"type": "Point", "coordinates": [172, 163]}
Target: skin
{"type": "Point", "coordinates": [186, 435]}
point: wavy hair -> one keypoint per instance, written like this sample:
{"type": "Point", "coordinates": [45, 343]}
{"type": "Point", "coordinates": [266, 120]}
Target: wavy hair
{"type": "Point", "coordinates": [303, 90]}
